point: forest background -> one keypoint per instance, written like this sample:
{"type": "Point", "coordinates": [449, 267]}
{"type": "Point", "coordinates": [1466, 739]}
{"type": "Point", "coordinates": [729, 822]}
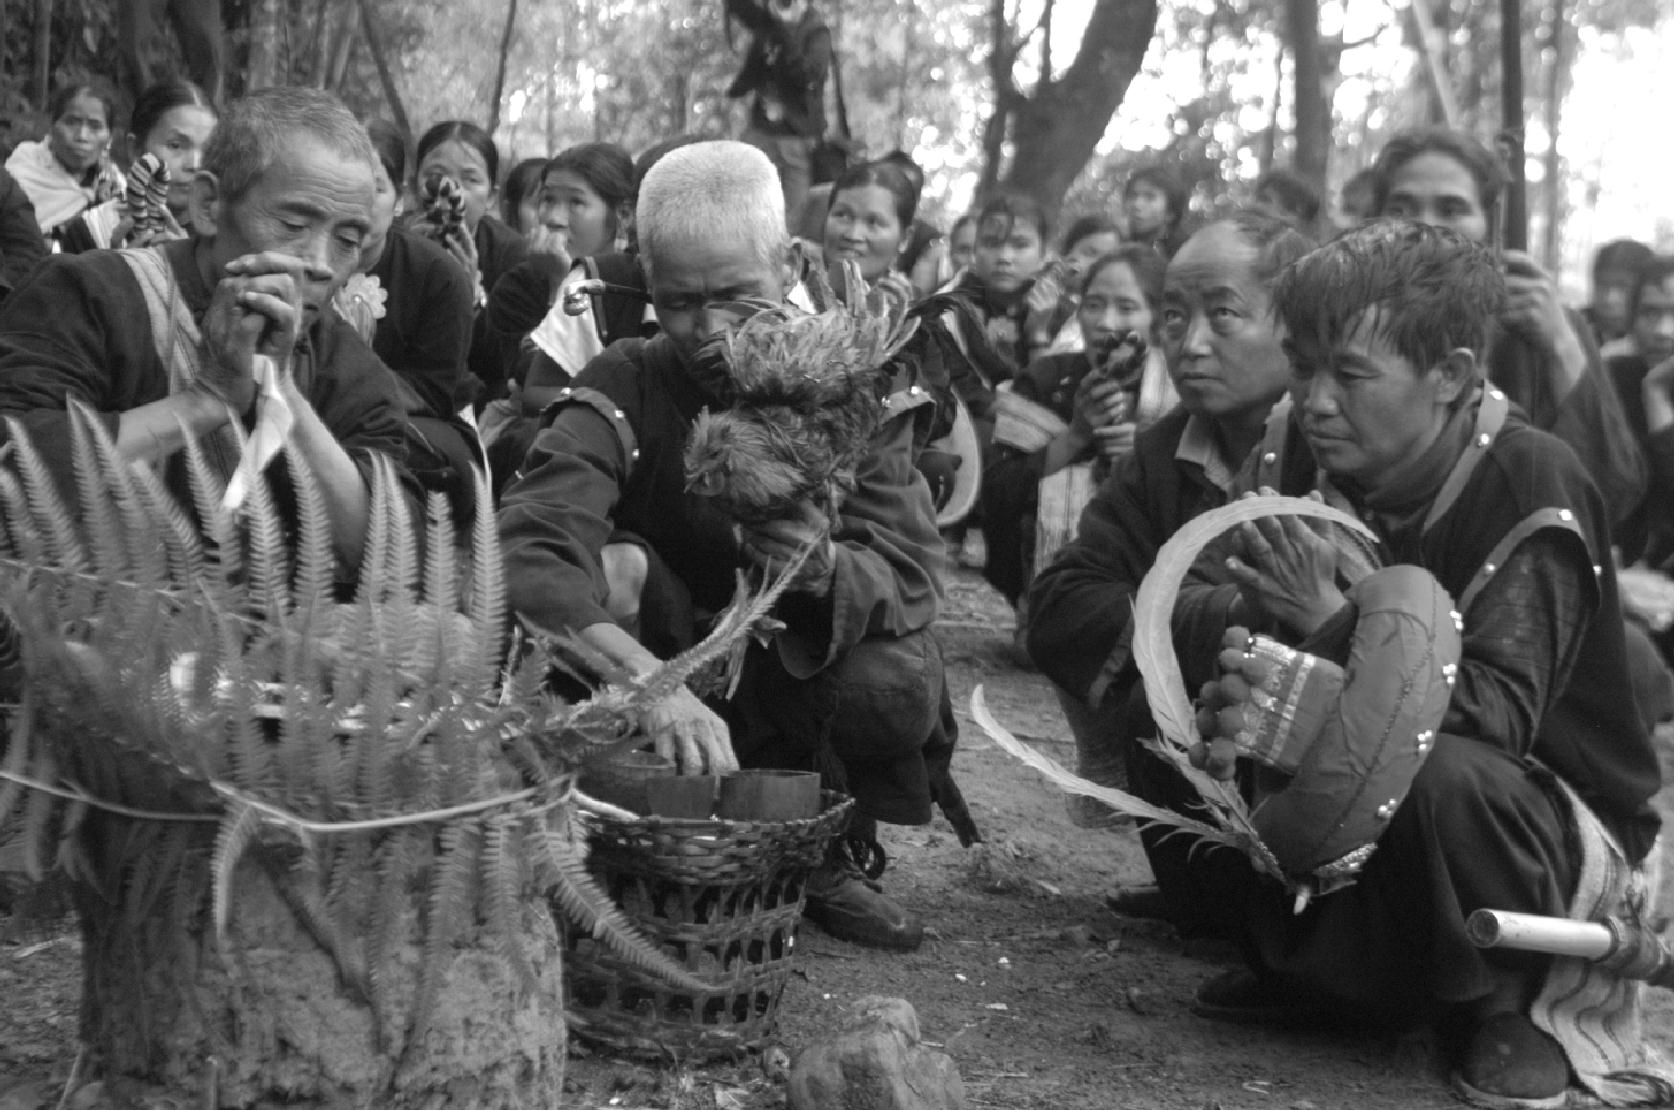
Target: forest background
{"type": "Point", "coordinates": [1060, 98]}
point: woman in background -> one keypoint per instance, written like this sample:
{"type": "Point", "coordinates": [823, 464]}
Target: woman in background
{"type": "Point", "coordinates": [70, 169]}
{"type": "Point", "coordinates": [519, 195]}
{"type": "Point", "coordinates": [459, 217]}
{"type": "Point", "coordinates": [172, 122]}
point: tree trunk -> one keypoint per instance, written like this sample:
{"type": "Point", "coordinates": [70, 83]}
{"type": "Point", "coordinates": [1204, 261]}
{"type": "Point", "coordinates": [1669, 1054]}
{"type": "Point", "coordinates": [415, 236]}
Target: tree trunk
{"type": "Point", "coordinates": [1059, 125]}
{"type": "Point", "coordinates": [1551, 255]}
{"type": "Point", "coordinates": [501, 66]}
{"type": "Point", "coordinates": [43, 52]}
{"type": "Point", "coordinates": [1312, 106]}
{"type": "Point", "coordinates": [343, 46]}
{"type": "Point", "coordinates": [263, 69]}
{"type": "Point", "coordinates": [393, 98]}
{"type": "Point", "coordinates": [169, 1013]}
{"type": "Point", "coordinates": [1511, 117]}
{"type": "Point", "coordinates": [1268, 141]}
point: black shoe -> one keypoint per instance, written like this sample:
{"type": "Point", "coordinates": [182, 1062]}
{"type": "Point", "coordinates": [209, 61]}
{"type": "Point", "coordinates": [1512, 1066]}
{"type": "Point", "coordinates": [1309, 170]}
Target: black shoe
{"type": "Point", "coordinates": [846, 905]}
{"type": "Point", "coordinates": [1143, 900]}
{"type": "Point", "coordinates": [1241, 997]}
{"type": "Point", "coordinates": [1511, 1065]}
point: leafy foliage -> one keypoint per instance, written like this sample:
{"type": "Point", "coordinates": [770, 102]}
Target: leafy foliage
{"type": "Point", "coordinates": [360, 752]}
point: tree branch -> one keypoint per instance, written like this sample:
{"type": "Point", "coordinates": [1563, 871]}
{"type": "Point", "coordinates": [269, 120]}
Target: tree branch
{"type": "Point", "coordinates": [1044, 43]}
{"type": "Point", "coordinates": [501, 66]}
{"type": "Point", "coordinates": [376, 47]}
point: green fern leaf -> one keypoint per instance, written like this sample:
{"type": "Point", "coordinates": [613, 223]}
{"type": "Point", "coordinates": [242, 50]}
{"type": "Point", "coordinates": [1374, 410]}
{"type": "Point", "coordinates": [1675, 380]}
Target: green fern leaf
{"type": "Point", "coordinates": [267, 555]}
{"type": "Point", "coordinates": [233, 836]}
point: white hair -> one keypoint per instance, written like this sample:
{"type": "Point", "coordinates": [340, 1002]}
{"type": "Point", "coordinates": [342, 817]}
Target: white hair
{"type": "Point", "coordinates": [712, 191]}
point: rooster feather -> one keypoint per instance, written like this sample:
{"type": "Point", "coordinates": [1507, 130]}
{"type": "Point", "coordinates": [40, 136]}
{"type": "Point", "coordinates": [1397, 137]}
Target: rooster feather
{"type": "Point", "coordinates": [803, 402]}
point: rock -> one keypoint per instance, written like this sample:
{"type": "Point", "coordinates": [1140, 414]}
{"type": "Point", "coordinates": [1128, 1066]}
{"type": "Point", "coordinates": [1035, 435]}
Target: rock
{"type": "Point", "coordinates": [876, 1062]}
{"type": "Point", "coordinates": [25, 1096]}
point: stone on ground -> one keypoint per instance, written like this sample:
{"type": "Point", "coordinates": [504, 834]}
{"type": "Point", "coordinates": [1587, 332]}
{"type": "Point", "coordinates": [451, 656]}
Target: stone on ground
{"type": "Point", "coordinates": [876, 1062]}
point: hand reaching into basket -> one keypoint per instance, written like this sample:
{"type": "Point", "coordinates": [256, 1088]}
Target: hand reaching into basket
{"type": "Point", "coordinates": [685, 731]}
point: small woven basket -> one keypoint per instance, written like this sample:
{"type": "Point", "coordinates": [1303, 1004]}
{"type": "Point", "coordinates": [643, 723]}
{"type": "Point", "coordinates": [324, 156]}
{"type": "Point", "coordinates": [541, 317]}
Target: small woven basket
{"type": "Point", "coordinates": [722, 898]}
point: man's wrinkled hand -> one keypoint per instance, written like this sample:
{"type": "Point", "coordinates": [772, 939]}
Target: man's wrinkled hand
{"type": "Point", "coordinates": [686, 732]}
{"type": "Point", "coordinates": [1286, 571]}
{"type": "Point", "coordinates": [256, 309]}
{"type": "Point", "coordinates": [773, 544]}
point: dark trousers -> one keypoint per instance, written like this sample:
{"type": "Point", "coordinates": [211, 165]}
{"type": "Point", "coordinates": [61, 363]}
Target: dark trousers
{"type": "Point", "coordinates": [1479, 829]}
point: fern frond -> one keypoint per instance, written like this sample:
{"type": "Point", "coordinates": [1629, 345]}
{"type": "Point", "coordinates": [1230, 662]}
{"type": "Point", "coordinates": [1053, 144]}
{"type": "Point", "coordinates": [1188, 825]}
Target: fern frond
{"type": "Point", "coordinates": [24, 540]}
{"type": "Point", "coordinates": [184, 547]}
{"type": "Point", "coordinates": [503, 889]}
{"type": "Point", "coordinates": [233, 836]}
{"type": "Point", "coordinates": [46, 504]}
{"type": "Point", "coordinates": [439, 594]}
{"type": "Point", "coordinates": [448, 914]}
{"type": "Point", "coordinates": [313, 580]}
{"type": "Point", "coordinates": [489, 591]}
{"type": "Point", "coordinates": [386, 929]}
{"type": "Point", "coordinates": [104, 534]}
{"type": "Point", "coordinates": [268, 559]}
{"type": "Point", "coordinates": [591, 909]}
{"type": "Point", "coordinates": [209, 492]}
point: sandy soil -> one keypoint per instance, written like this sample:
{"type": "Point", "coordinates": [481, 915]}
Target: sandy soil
{"type": "Point", "coordinates": [1042, 997]}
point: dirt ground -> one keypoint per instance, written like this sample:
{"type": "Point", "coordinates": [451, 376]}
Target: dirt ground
{"type": "Point", "coordinates": [1042, 997]}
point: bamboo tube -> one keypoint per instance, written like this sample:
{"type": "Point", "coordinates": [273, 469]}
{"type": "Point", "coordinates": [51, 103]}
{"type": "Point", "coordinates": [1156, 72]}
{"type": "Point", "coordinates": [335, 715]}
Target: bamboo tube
{"type": "Point", "coordinates": [1630, 952]}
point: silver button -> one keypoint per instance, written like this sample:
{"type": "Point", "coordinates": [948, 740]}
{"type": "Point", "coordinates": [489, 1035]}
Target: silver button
{"type": "Point", "coordinates": [1425, 739]}
{"type": "Point", "coordinates": [635, 453]}
{"type": "Point", "coordinates": [1386, 810]}
{"type": "Point", "coordinates": [1450, 671]}
{"type": "Point", "coordinates": [915, 390]}
{"type": "Point", "coordinates": [1565, 515]}
{"type": "Point", "coordinates": [618, 414]}
{"type": "Point", "coordinates": [567, 392]}
{"type": "Point", "coordinates": [1597, 570]}
{"type": "Point", "coordinates": [1457, 619]}
{"type": "Point", "coordinates": [1496, 395]}
{"type": "Point", "coordinates": [1483, 440]}
{"type": "Point", "coordinates": [1489, 569]}
{"type": "Point", "coordinates": [1269, 458]}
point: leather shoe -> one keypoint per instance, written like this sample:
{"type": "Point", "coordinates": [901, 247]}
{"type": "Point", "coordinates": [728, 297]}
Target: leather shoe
{"type": "Point", "coordinates": [1143, 900]}
{"type": "Point", "coordinates": [1512, 1065]}
{"type": "Point", "coordinates": [844, 904]}
{"type": "Point", "coordinates": [1241, 997]}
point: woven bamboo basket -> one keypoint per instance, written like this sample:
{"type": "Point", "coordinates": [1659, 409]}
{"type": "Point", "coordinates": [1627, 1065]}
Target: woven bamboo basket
{"type": "Point", "coordinates": [722, 898]}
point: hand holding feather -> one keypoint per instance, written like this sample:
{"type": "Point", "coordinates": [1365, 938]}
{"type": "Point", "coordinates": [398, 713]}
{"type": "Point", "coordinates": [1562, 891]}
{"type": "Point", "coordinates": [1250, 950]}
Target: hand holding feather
{"type": "Point", "coordinates": [1287, 572]}
{"type": "Point", "coordinates": [772, 544]}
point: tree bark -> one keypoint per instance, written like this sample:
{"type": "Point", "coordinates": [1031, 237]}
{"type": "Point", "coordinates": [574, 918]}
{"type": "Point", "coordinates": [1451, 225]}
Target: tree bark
{"type": "Point", "coordinates": [1550, 254]}
{"type": "Point", "coordinates": [1511, 119]}
{"type": "Point", "coordinates": [1312, 106]}
{"type": "Point", "coordinates": [43, 52]}
{"type": "Point", "coordinates": [1059, 125]}
{"type": "Point", "coordinates": [502, 66]}
{"type": "Point", "coordinates": [393, 98]}
{"type": "Point", "coordinates": [169, 1013]}
{"type": "Point", "coordinates": [263, 69]}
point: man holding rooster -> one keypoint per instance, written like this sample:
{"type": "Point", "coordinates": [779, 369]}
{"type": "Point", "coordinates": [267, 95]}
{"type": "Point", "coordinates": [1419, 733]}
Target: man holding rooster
{"type": "Point", "coordinates": [604, 537]}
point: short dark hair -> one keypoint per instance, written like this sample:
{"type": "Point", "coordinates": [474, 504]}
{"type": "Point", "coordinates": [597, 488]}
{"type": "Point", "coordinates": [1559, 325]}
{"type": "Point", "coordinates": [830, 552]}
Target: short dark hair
{"type": "Point", "coordinates": [525, 176]}
{"type": "Point", "coordinates": [886, 175]}
{"type": "Point", "coordinates": [1656, 270]}
{"type": "Point", "coordinates": [605, 167]}
{"type": "Point", "coordinates": [99, 90]}
{"type": "Point", "coordinates": [1627, 256]}
{"type": "Point", "coordinates": [158, 101]}
{"type": "Point", "coordinates": [391, 148]}
{"type": "Point", "coordinates": [1146, 264]}
{"type": "Point", "coordinates": [1086, 226]}
{"type": "Point", "coordinates": [1486, 168]}
{"type": "Point", "coordinates": [1293, 191]}
{"type": "Point", "coordinates": [250, 137]}
{"type": "Point", "coordinates": [1162, 178]}
{"type": "Point", "coordinates": [646, 159]}
{"type": "Point", "coordinates": [1435, 289]}
{"type": "Point", "coordinates": [1277, 243]}
{"type": "Point", "coordinates": [462, 131]}
{"type": "Point", "coordinates": [1013, 207]}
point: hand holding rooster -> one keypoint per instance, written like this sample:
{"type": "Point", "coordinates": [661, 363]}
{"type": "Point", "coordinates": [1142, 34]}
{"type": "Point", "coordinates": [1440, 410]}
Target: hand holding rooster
{"type": "Point", "coordinates": [771, 544]}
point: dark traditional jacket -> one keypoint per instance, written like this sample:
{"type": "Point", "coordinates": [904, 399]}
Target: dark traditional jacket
{"type": "Point", "coordinates": [610, 460]}
{"type": "Point", "coordinates": [80, 329]}
{"type": "Point", "coordinates": [1517, 533]}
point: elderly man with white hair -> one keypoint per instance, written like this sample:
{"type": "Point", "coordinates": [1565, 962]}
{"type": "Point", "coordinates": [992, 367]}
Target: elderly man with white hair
{"type": "Point", "coordinates": [602, 539]}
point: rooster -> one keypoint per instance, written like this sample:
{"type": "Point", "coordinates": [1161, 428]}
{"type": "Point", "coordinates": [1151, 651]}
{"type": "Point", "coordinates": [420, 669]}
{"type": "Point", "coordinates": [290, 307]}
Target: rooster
{"type": "Point", "coordinates": [804, 402]}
